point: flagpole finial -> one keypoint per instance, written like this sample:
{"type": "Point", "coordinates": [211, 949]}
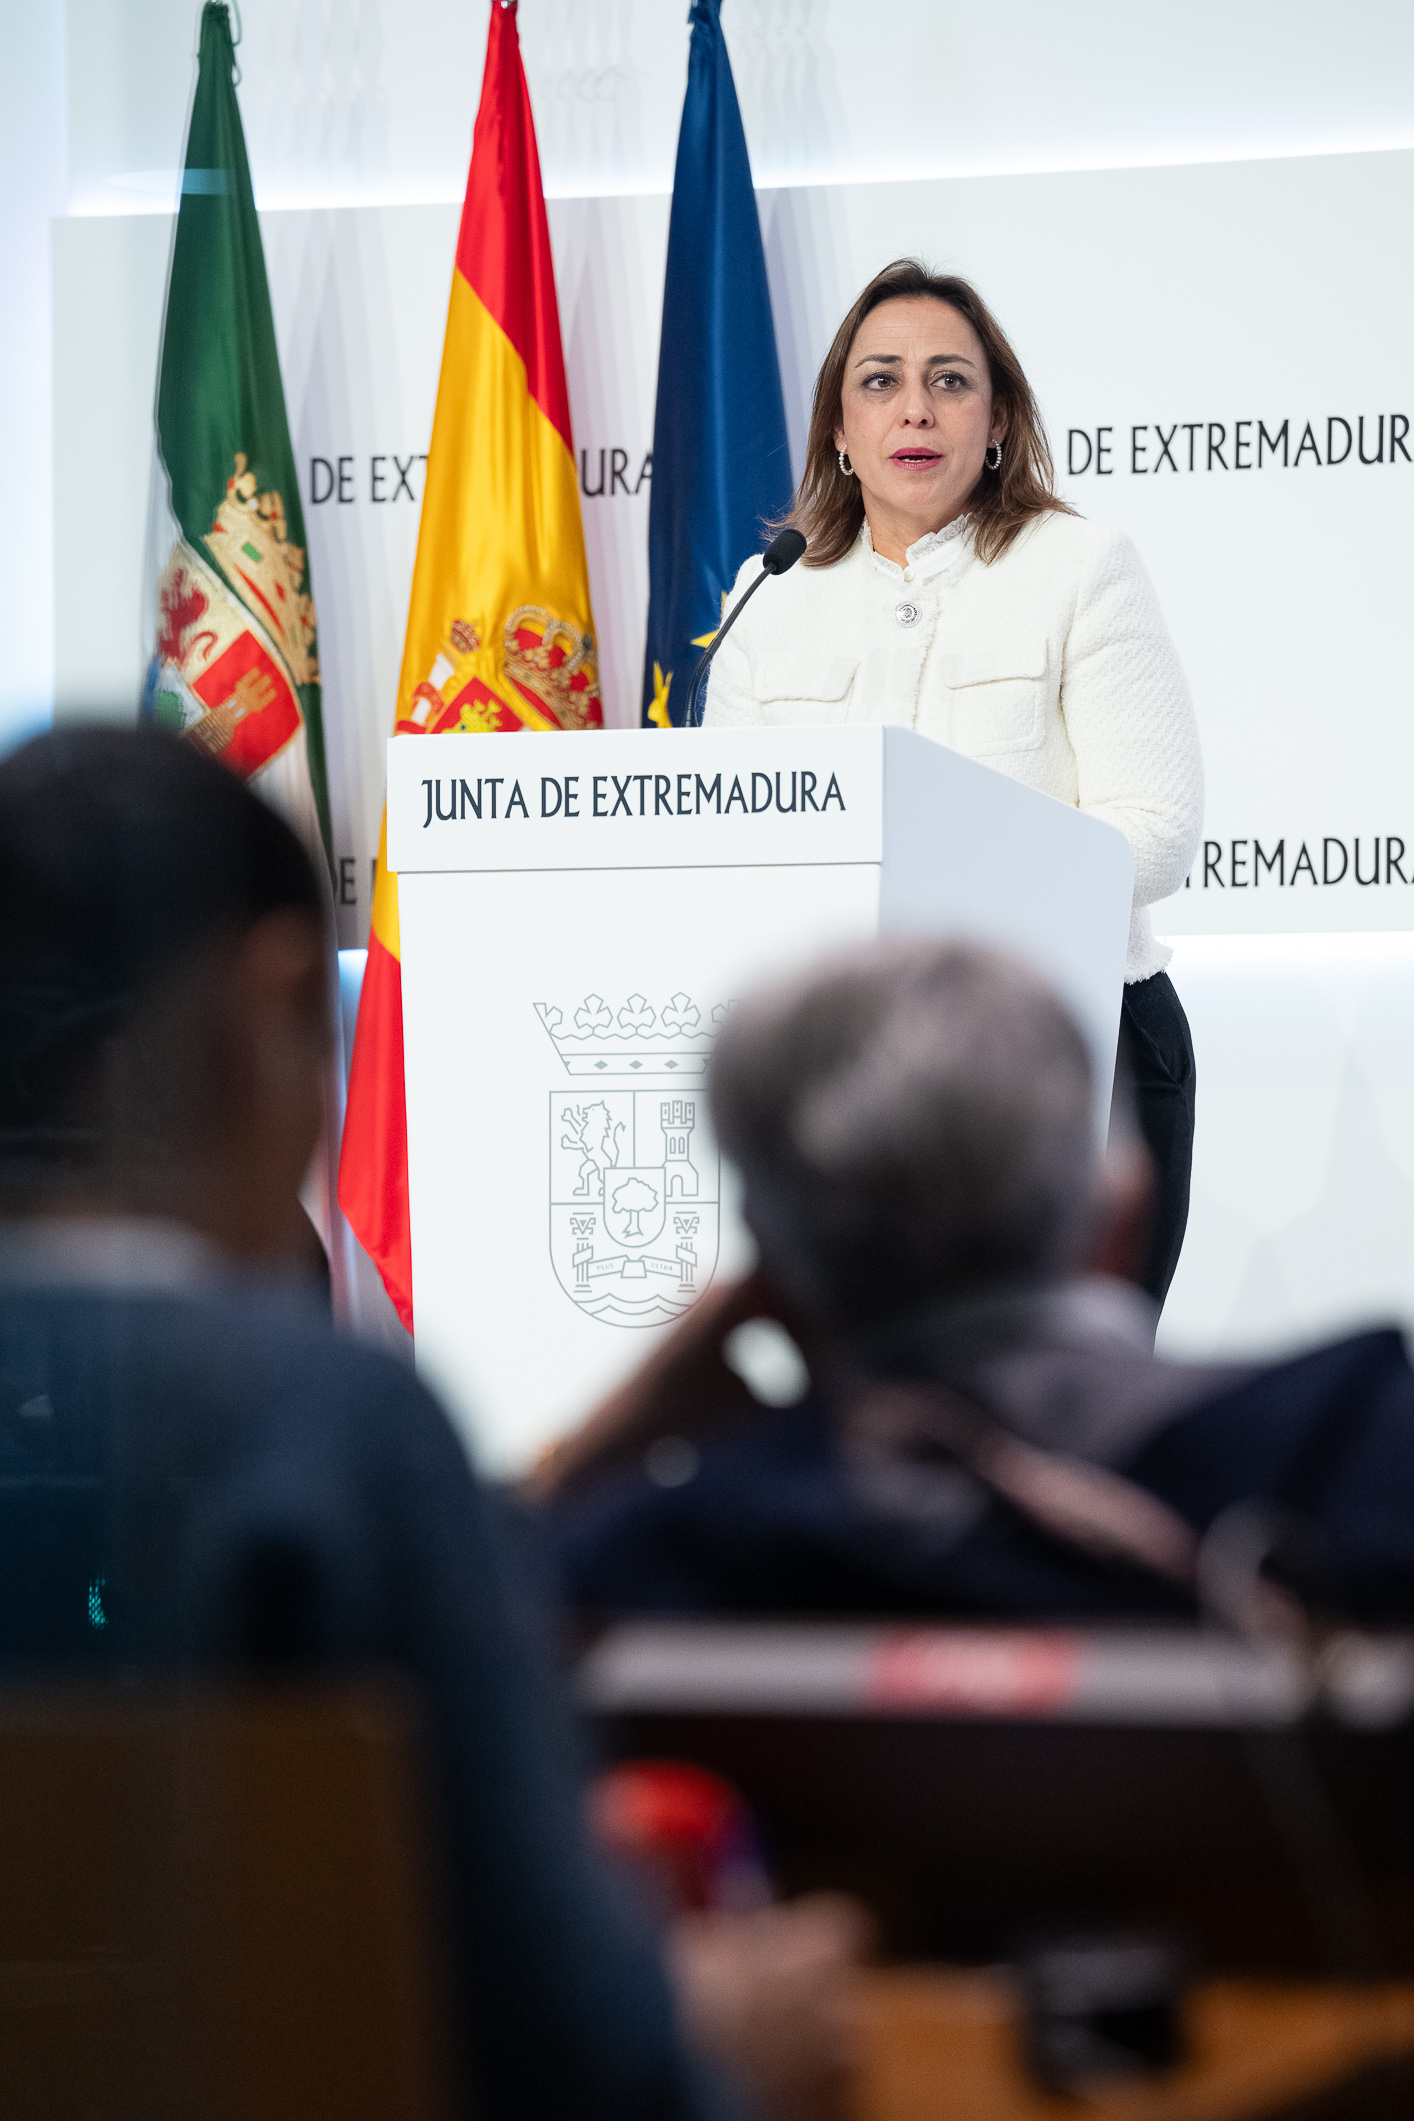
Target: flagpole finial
{"type": "Point", "coordinates": [227, 8]}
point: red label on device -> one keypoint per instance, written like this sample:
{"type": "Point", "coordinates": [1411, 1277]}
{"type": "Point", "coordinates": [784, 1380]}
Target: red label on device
{"type": "Point", "coordinates": [967, 1672]}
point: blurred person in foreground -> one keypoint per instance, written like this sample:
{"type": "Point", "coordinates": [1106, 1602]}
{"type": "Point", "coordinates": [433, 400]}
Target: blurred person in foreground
{"type": "Point", "coordinates": [988, 1430]}
{"type": "Point", "coordinates": [180, 1426]}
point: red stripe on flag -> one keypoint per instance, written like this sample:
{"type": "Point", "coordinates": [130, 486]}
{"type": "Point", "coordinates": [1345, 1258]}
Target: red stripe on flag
{"type": "Point", "coordinates": [503, 248]}
{"type": "Point", "coordinates": [373, 1163]}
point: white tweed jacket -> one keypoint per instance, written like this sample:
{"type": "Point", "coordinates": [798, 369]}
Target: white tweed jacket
{"type": "Point", "coordinates": [1052, 665]}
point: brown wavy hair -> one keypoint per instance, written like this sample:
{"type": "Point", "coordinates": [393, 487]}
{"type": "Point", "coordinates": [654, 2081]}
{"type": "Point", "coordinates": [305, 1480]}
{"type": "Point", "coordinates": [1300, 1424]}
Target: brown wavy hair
{"type": "Point", "coordinates": [829, 508]}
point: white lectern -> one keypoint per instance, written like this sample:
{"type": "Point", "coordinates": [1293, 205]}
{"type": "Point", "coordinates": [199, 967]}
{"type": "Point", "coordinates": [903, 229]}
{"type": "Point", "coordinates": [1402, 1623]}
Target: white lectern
{"type": "Point", "coordinates": [578, 913]}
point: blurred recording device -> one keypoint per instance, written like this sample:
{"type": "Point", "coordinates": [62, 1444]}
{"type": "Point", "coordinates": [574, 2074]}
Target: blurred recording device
{"type": "Point", "coordinates": [1101, 2008]}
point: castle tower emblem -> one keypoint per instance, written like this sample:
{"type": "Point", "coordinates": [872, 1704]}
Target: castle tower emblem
{"type": "Point", "coordinates": [678, 1118]}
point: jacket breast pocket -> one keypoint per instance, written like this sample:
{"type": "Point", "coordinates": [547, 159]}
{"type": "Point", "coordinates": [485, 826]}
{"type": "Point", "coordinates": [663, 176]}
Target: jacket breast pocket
{"type": "Point", "coordinates": [797, 686]}
{"type": "Point", "coordinates": [998, 697]}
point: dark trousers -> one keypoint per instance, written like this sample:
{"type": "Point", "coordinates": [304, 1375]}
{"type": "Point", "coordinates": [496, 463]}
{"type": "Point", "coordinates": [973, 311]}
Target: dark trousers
{"type": "Point", "coordinates": [1156, 1056]}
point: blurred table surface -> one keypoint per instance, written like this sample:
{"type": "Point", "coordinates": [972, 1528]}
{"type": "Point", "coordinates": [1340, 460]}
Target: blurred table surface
{"type": "Point", "coordinates": [944, 2045]}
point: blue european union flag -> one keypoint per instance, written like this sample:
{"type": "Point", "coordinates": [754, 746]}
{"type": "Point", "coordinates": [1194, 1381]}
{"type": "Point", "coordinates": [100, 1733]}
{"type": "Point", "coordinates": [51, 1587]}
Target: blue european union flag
{"type": "Point", "coordinates": [721, 462]}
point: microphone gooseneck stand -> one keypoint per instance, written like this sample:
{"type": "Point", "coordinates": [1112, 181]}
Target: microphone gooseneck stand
{"type": "Point", "coordinates": [781, 553]}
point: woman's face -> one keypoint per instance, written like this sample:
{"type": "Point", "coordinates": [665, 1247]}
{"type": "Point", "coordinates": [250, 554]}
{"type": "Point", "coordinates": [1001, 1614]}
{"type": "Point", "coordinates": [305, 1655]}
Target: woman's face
{"type": "Point", "coordinates": [916, 417]}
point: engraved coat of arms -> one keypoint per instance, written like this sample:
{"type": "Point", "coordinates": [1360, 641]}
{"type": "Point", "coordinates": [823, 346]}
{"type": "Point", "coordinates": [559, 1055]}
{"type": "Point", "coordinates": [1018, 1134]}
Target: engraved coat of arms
{"type": "Point", "coordinates": [634, 1172]}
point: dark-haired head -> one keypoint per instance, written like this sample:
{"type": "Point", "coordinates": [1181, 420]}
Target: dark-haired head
{"type": "Point", "coordinates": [829, 506]}
{"type": "Point", "coordinates": [163, 1011]}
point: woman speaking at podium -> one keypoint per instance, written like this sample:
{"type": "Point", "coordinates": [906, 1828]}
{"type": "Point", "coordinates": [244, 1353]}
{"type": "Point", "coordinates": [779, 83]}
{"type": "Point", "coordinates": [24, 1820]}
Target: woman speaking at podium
{"type": "Point", "coordinates": [945, 588]}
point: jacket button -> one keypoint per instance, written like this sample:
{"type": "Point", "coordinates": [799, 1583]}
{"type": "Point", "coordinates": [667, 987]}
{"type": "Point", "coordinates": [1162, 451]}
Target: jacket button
{"type": "Point", "coordinates": [907, 614]}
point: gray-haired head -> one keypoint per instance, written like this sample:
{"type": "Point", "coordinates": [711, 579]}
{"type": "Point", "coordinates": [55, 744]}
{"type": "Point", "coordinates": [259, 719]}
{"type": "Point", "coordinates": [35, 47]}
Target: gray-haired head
{"type": "Point", "coordinates": [912, 1120]}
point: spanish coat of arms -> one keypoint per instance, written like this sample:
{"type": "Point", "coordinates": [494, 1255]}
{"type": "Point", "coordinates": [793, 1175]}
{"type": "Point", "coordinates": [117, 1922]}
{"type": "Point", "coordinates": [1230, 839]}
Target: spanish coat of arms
{"type": "Point", "coordinates": [634, 1185]}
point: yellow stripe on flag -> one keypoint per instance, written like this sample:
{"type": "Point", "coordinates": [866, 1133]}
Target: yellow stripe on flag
{"type": "Point", "coordinates": [384, 921]}
{"type": "Point", "coordinates": [500, 518]}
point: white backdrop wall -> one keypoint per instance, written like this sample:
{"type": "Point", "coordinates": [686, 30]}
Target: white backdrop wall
{"type": "Point", "coordinates": [371, 101]}
{"type": "Point", "coordinates": [1267, 479]}
{"type": "Point", "coordinates": [33, 188]}
{"type": "Point", "coordinates": [1191, 217]}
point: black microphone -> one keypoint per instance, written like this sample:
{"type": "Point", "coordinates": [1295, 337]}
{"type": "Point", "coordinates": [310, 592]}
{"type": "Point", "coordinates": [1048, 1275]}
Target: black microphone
{"type": "Point", "coordinates": [781, 553]}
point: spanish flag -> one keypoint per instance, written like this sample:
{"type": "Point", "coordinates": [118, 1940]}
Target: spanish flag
{"type": "Point", "coordinates": [499, 633]}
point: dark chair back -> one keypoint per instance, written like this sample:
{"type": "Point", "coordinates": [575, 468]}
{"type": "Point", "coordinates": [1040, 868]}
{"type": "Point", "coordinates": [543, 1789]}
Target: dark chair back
{"type": "Point", "coordinates": [217, 1905]}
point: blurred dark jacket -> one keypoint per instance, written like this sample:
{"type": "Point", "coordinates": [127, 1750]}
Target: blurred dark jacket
{"type": "Point", "coordinates": [212, 1480]}
{"type": "Point", "coordinates": [813, 1509]}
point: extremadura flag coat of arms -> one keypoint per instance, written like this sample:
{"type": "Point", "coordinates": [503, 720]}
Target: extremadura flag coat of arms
{"type": "Point", "coordinates": [232, 652]}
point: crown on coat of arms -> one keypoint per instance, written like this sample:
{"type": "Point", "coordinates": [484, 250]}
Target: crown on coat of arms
{"type": "Point", "coordinates": [555, 664]}
{"type": "Point", "coordinates": [635, 1039]}
{"type": "Point", "coordinates": [248, 539]}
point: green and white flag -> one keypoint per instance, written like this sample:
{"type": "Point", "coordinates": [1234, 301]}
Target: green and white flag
{"type": "Point", "coordinates": [232, 651]}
